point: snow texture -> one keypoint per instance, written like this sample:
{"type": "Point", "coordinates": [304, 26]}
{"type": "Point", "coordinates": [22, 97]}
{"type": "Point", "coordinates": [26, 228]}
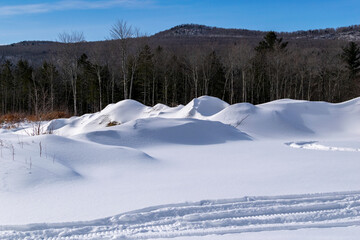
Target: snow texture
{"type": "Point", "coordinates": [153, 166]}
{"type": "Point", "coordinates": [249, 214]}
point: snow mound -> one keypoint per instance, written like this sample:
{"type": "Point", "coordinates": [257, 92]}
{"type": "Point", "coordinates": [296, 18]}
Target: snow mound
{"type": "Point", "coordinates": [118, 113]}
{"type": "Point", "coordinates": [50, 159]}
{"type": "Point", "coordinates": [79, 154]}
{"type": "Point", "coordinates": [281, 118]}
{"type": "Point", "coordinates": [202, 107]}
{"type": "Point", "coordinates": [155, 131]}
{"type": "Point", "coordinates": [114, 114]}
{"type": "Point", "coordinates": [264, 121]}
{"type": "Point", "coordinates": [122, 112]}
{"type": "Point", "coordinates": [293, 118]}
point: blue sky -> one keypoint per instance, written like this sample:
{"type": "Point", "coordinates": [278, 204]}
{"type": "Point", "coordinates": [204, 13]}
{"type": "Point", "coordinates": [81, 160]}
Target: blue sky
{"type": "Point", "coordinates": [44, 20]}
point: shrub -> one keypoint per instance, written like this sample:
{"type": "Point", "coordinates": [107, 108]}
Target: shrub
{"type": "Point", "coordinates": [112, 123]}
{"type": "Point", "coordinates": [12, 120]}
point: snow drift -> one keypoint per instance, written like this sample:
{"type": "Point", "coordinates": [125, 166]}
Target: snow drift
{"type": "Point", "coordinates": [281, 118]}
{"type": "Point", "coordinates": [155, 131]}
{"type": "Point", "coordinates": [130, 156]}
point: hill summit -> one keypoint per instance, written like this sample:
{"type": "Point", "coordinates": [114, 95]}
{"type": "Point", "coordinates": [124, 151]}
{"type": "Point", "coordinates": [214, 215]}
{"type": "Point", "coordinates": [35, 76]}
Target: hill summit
{"type": "Point", "coordinates": [350, 33]}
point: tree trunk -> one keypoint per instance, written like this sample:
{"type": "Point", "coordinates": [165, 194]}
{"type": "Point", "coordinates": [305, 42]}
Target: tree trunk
{"type": "Point", "coordinates": [52, 97]}
{"type": "Point", "coordinates": [74, 90]}
{"type": "Point", "coordinates": [100, 92]}
{"type": "Point", "coordinates": [244, 87]}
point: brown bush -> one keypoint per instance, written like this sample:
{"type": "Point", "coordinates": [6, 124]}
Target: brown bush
{"type": "Point", "coordinates": [54, 115]}
{"type": "Point", "coordinates": [12, 118]}
{"type": "Point", "coordinates": [113, 123]}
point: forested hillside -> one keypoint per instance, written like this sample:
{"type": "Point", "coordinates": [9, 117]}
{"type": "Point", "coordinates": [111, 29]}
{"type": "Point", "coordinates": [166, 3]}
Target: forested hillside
{"type": "Point", "coordinates": [177, 65]}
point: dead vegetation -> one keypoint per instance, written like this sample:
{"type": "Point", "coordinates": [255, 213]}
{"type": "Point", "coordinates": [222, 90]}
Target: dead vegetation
{"type": "Point", "coordinates": [112, 123]}
{"type": "Point", "coordinates": [12, 120]}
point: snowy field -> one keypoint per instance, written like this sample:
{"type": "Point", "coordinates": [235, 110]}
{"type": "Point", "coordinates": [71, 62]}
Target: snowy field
{"type": "Point", "coordinates": [208, 170]}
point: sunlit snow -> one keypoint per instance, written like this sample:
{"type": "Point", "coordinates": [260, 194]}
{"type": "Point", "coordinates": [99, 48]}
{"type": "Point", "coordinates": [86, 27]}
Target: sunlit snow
{"type": "Point", "coordinates": [192, 172]}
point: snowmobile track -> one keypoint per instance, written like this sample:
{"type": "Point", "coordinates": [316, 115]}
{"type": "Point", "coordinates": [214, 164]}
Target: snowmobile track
{"type": "Point", "coordinates": [248, 214]}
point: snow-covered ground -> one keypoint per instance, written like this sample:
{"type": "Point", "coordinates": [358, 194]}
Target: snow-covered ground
{"type": "Point", "coordinates": [207, 170]}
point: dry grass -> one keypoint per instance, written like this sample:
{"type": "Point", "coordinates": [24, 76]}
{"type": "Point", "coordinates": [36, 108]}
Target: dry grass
{"type": "Point", "coordinates": [113, 123]}
{"type": "Point", "coordinates": [13, 118]}
{"type": "Point", "coordinates": [53, 115]}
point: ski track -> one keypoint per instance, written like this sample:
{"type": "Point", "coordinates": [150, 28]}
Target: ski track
{"type": "Point", "coordinates": [313, 145]}
{"type": "Point", "coordinates": [248, 214]}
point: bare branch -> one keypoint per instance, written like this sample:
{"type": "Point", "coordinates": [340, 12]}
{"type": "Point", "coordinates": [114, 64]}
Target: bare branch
{"type": "Point", "coordinates": [73, 37]}
{"type": "Point", "coordinates": [121, 30]}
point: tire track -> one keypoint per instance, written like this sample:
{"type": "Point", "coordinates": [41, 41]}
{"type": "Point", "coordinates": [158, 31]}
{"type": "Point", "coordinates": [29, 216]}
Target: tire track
{"type": "Point", "coordinates": [246, 214]}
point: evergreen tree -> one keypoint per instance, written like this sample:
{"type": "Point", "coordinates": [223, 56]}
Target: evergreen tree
{"type": "Point", "coordinates": [216, 76]}
{"type": "Point", "coordinates": [88, 85]}
{"type": "Point", "coordinates": [7, 80]}
{"type": "Point", "coordinates": [265, 67]}
{"type": "Point", "coordinates": [22, 87]}
{"type": "Point", "coordinates": [145, 74]}
{"type": "Point", "coordinates": [271, 43]}
{"type": "Point", "coordinates": [351, 56]}
{"type": "Point", "coordinates": [48, 75]}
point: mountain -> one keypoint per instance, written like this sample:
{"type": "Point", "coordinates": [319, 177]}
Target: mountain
{"type": "Point", "coordinates": [195, 30]}
{"type": "Point", "coordinates": [192, 35]}
{"type": "Point", "coordinates": [351, 33]}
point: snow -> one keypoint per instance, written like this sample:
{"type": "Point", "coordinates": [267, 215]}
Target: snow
{"type": "Point", "coordinates": [202, 107]}
{"type": "Point", "coordinates": [344, 233]}
{"type": "Point", "coordinates": [248, 214]}
{"type": "Point", "coordinates": [160, 131]}
{"type": "Point", "coordinates": [292, 118]}
{"type": "Point", "coordinates": [185, 171]}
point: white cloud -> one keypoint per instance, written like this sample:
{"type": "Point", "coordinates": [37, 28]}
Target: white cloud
{"type": "Point", "coordinates": [10, 10]}
{"type": "Point", "coordinates": [21, 9]}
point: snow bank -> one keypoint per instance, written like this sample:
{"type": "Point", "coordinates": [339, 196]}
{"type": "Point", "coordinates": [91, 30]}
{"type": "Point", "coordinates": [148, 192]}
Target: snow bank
{"type": "Point", "coordinates": [155, 131]}
{"type": "Point", "coordinates": [114, 114]}
{"type": "Point", "coordinates": [202, 107]}
{"type": "Point", "coordinates": [48, 159]}
{"type": "Point", "coordinates": [160, 155]}
{"type": "Point", "coordinates": [293, 118]}
{"type": "Point", "coordinates": [281, 119]}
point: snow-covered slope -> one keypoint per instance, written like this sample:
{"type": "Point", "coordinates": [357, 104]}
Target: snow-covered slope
{"type": "Point", "coordinates": [130, 156]}
{"type": "Point", "coordinates": [155, 131]}
{"type": "Point", "coordinates": [281, 118]}
{"type": "Point", "coordinates": [292, 118]}
{"type": "Point", "coordinates": [202, 107]}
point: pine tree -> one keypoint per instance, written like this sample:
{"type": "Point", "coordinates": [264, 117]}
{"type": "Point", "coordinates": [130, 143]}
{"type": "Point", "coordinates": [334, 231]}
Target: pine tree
{"type": "Point", "coordinates": [145, 74]}
{"type": "Point", "coordinates": [7, 80]}
{"type": "Point", "coordinates": [266, 67]}
{"type": "Point", "coordinates": [271, 43]}
{"type": "Point", "coordinates": [351, 56]}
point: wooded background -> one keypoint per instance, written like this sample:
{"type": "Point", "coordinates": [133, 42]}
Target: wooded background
{"type": "Point", "coordinates": [177, 65]}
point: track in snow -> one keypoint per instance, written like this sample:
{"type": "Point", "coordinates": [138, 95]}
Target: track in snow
{"type": "Point", "coordinates": [248, 214]}
{"type": "Point", "coordinates": [313, 145]}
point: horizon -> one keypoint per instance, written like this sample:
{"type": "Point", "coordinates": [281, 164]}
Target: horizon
{"type": "Point", "coordinates": [184, 24]}
{"type": "Point", "coordinates": [43, 20]}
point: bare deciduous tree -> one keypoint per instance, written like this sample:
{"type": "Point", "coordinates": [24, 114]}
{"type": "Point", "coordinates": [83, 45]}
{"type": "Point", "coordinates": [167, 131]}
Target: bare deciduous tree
{"type": "Point", "coordinates": [122, 32]}
{"type": "Point", "coordinates": [69, 60]}
{"type": "Point", "coordinates": [99, 60]}
{"type": "Point", "coordinates": [73, 37]}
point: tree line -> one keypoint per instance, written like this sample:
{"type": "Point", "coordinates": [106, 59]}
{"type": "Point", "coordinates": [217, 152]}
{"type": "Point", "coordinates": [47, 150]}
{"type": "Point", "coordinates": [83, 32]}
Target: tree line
{"type": "Point", "coordinates": [128, 67]}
